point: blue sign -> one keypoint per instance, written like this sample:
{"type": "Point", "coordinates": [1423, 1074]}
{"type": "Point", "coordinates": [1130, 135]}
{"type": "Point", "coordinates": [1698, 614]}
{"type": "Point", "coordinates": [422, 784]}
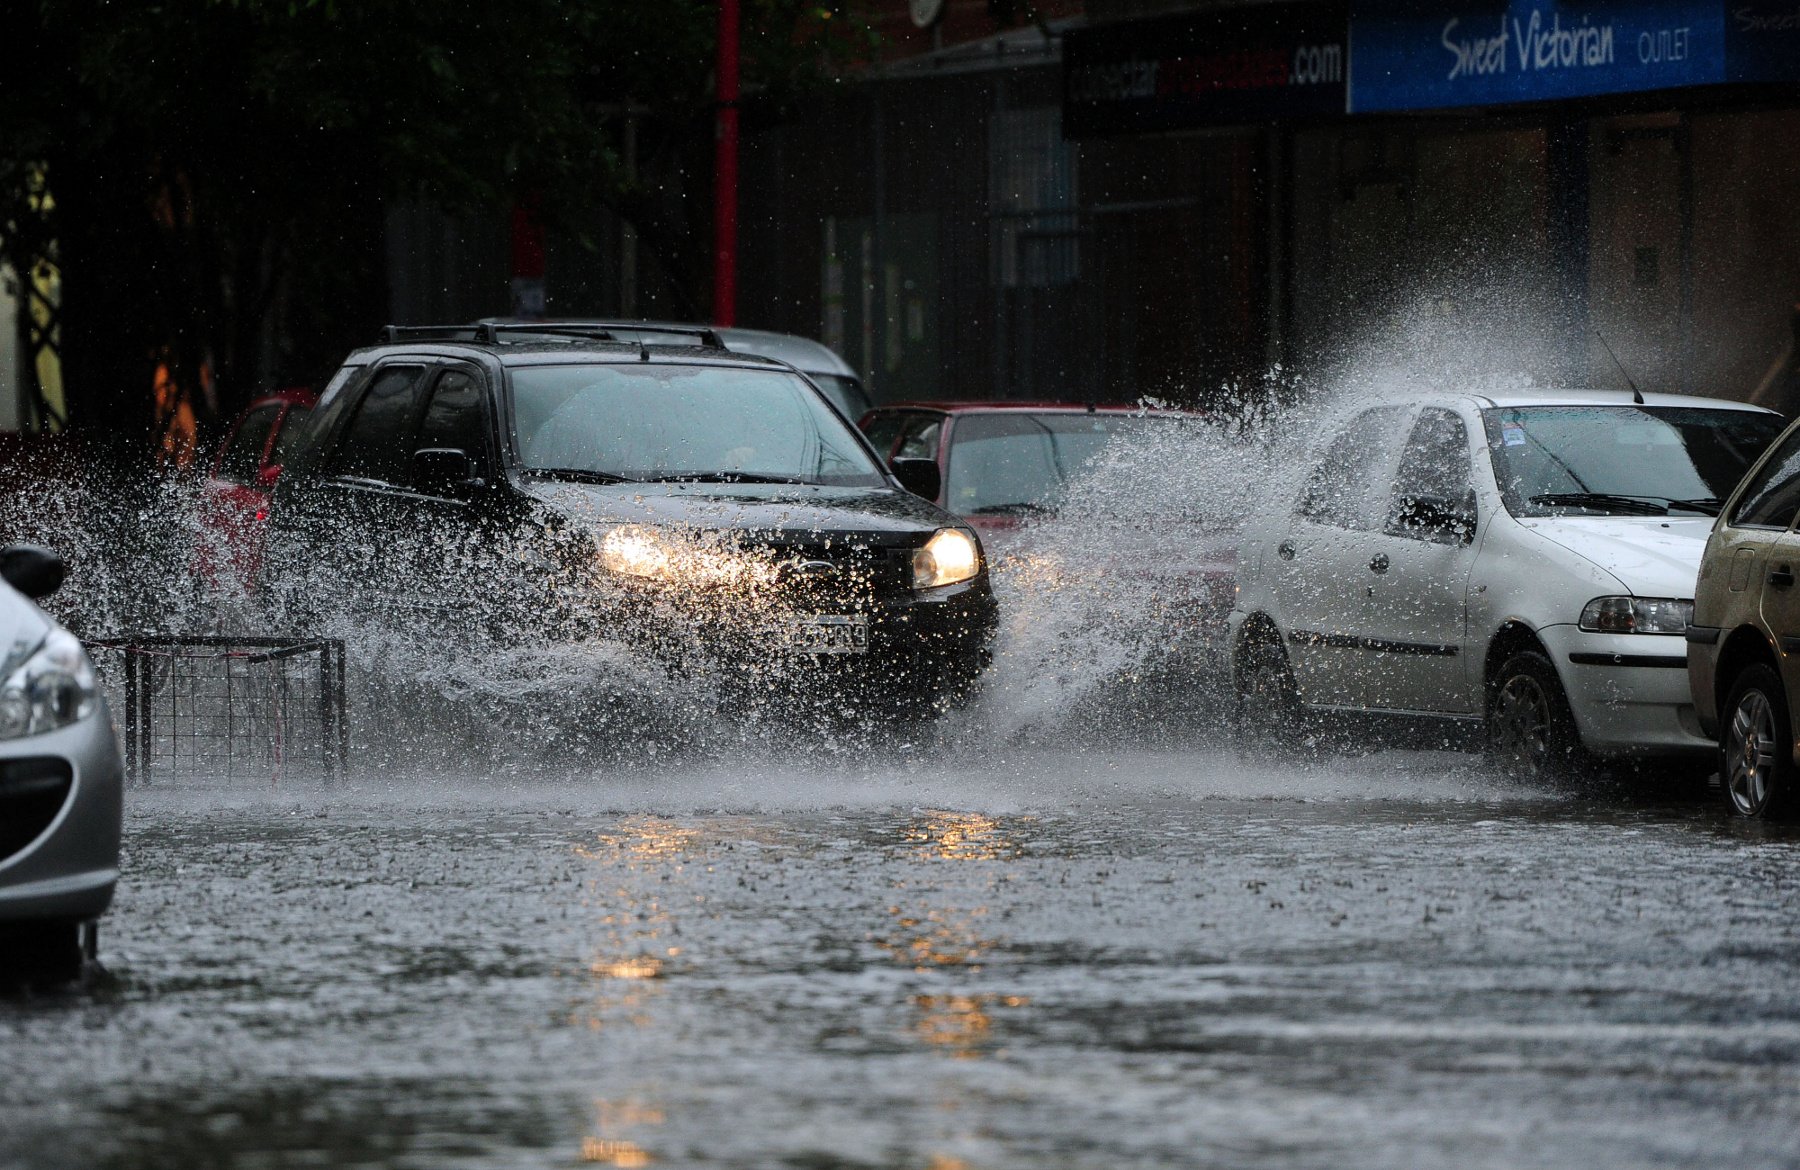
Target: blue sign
{"type": "Point", "coordinates": [1412, 55]}
{"type": "Point", "coordinates": [1762, 40]}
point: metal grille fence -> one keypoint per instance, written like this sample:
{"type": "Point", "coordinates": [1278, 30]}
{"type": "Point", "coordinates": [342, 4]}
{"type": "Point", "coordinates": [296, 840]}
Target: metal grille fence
{"type": "Point", "coordinates": [227, 708]}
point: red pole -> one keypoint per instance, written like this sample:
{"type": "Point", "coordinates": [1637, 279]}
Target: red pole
{"type": "Point", "coordinates": [725, 171]}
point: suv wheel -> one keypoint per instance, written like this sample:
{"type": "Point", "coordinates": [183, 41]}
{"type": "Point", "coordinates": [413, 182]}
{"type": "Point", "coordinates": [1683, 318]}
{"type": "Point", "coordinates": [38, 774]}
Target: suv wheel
{"type": "Point", "coordinates": [1530, 729]}
{"type": "Point", "coordinates": [1756, 755]}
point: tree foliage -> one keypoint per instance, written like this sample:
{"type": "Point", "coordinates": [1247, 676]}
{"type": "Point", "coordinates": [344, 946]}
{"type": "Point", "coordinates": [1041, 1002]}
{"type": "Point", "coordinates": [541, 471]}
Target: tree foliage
{"type": "Point", "coordinates": [220, 168]}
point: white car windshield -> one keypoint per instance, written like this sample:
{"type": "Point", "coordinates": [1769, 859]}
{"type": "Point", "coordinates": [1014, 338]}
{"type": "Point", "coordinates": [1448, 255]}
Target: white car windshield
{"type": "Point", "coordinates": [1622, 460]}
{"type": "Point", "coordinates": [659, 422]}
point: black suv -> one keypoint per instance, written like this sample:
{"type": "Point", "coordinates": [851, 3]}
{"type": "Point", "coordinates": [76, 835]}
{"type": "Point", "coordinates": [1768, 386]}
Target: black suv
{"type": "Point", "coordinates": [555, 481]}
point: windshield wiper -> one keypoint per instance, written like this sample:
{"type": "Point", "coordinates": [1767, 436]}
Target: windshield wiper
{"type": "Point", "coordinates": [1602, 501]}
{"type": "Point", "coordinates": [578, 474]}
{"type": "Point", "coordinates": [720, 477]}
{"type": "Point", "coordinates": [1019, 509]}
{"type": "Point", "coordinates": [1709, 505]}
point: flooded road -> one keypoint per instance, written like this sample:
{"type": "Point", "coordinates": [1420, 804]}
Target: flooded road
{"type": "Point", "coordinates": [1037, 958]}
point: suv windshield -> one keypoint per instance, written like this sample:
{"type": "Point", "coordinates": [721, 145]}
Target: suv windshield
{"type": "Point", "coordinates": [1013, 461]}
{"type": "Point", "coordinates": [1622, 460]}
{"type": "Point", "coordinates": [672, 422]}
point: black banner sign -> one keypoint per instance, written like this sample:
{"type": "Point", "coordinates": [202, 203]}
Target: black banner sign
{"type": "Point", "coordinates": [1252, 64]}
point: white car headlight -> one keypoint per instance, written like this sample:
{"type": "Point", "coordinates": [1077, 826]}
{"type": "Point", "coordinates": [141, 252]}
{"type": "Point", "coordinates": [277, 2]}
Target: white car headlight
{"type": "Point", "coordinates": [53, 688]}
{"type": "Point", "coordinates": [1637, 615]}
{"type": "Point", "coordinates": [951, 555]}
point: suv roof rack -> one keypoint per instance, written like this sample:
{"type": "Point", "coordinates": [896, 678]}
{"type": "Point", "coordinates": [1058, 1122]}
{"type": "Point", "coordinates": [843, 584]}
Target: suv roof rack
{"type": "Point", "coordinates": [708, 336]}
{"type": "Point", "coordinates": [489, 332]}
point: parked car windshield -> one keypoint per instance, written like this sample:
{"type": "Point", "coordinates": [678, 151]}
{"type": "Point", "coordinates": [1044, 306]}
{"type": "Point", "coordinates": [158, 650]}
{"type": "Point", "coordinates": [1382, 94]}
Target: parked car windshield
{"type": "Point", "coordinates": [672, 422]}
{"type": "Point", "coordinates": [1015, 461]}
{"type": "Point", "coordinates": [1622, 460]}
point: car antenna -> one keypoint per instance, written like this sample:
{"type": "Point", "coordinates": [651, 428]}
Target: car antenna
{"type": "Point", "coordinates": [1637, 395]}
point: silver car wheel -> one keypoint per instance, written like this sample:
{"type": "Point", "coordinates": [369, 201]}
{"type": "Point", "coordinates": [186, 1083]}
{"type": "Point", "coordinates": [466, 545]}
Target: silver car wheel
{"type": "Point", "coordinates": [1521, 726]}
{"type": "Point", "coordinates": [1750, 752]}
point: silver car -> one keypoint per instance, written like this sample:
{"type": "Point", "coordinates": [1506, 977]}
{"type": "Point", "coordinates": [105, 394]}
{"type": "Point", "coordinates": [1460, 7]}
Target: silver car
{"type": "Point", "coordinates": [60, 782]}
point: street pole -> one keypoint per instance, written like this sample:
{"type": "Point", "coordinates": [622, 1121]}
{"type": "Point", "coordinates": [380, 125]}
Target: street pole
{"type": "Point", "coordinates": [725, 171]}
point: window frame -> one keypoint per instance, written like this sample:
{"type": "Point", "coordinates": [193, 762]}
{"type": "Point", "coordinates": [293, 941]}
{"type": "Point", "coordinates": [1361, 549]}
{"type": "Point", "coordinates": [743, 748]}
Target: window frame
{"type": "Point", "coordinates": [1396, 496]}
{"type": "Point", "coordinates": [1770, 462]}
{"type": "Point", "coordinates": [1399, 431]}
{"type": "Point", "coordinates": [331, 468]}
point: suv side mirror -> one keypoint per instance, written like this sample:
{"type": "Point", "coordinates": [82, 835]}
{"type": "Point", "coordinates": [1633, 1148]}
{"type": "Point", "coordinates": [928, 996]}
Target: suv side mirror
{"type": "Point", "coordinates": [1439, 519]}
{"type": "Point", "coordinates": [921, 477]}
{"type": "Point", "coordinates": [444, 469]}
{"type": "Point", "coordinates": [35, 572]}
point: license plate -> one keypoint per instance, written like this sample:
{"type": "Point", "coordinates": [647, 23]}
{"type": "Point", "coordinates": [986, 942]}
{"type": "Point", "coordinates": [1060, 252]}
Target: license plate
{"type": "Point", "coordinates": [827, 634]}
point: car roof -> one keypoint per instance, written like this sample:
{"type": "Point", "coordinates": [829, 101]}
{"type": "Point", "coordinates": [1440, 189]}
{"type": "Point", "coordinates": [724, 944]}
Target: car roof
{"type": "Point", "coordinates": [973, 406]}
{"type": "Point", "coordinates": [298, 395]}
{"type": "Point", "coordinates": [575, 351]}
{"type": "Point", "coordinates": [1554, 396]}
{"type": "Point", "coordinates": [803, 353]}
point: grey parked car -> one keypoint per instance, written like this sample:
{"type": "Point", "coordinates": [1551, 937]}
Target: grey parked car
{"type": "Point", "coordinates": [60, 781]}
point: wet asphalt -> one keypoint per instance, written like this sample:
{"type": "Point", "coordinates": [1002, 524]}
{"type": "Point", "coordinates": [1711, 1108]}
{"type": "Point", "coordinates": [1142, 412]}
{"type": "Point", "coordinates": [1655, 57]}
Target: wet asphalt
{"type": "Point", "coordinates": [931, 959]}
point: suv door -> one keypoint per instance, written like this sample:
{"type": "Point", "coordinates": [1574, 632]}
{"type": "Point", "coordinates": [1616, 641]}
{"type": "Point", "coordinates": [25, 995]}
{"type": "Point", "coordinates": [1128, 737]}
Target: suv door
{"type": "Point", "coordinates": [446, 520]}
{"type": "Point", "coordinates": [356, 513]}
{"type": "Point", "coordinates": [1413, 625]}
{"type": "Point", "coordinates": [1318, 566]}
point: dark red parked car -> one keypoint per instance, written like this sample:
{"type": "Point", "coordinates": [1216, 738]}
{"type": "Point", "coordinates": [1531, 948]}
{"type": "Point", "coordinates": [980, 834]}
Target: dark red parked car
{"type": "Point", "coordinates": [1005, 465]}
{"type": "Point", "coordinates": [235, 498]}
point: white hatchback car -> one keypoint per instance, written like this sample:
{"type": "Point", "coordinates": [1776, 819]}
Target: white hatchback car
{"type": "Point", "coordinates": [1525, 560]}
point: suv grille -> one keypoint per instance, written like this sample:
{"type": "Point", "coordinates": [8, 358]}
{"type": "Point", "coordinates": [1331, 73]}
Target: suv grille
{"type": "Point", "coordinates": [843, 573]}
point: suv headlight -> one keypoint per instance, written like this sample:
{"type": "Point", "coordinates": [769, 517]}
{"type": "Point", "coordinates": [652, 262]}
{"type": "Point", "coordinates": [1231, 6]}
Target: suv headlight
{"type": "Point", "coordinates": [1637, 615]}
{"type": "Point", "coordinates": [634, 551]}
{"type": "Point", "coordinates": [54, 688]}
{"type": "Point", "coordinates": [951, 555]}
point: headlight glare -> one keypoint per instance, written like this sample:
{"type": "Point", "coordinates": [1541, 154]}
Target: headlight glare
{"type": "Point", "coordinates": [636, 552]}
{"type": "Point", "coordinates": [951, 555]}
{"type": "Point", "coordinates": [54, 688]}
{"type": "Point", "coordinates": [1637, 615]}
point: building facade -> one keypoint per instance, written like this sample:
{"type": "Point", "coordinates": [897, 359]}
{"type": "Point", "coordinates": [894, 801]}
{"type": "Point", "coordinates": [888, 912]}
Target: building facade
{"type": "Point", "coordinates": [1143, 198]}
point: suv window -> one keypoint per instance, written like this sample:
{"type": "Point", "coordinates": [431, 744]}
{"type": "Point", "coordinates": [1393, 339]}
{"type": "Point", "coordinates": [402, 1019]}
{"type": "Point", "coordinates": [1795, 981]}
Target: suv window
{"type": "Point", "coordinates": [454, 417]}
{"type": "Point", "coordinates": [375, 443]}
{"type": "Point", "coordinates": [1434, 465]}
{"type": "Point", "coordinates": [243, 458]}
{"type": "Point", "coordinates": [1773, 497]}
{"type": "Point", "coordinates": [1342, 491]}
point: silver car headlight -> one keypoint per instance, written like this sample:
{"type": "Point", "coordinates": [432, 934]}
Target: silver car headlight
{"type": "Point", "coordinates": [53, 688]}
{"type": "Point", "coordinates": [1637, 615]}
{"type": "Point", "coordinates": [951, 555]}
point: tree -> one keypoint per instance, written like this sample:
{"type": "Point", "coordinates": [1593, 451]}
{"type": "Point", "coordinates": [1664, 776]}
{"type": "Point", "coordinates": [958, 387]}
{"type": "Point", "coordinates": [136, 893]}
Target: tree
{"type": "Point", "coordinates": [220, 168]}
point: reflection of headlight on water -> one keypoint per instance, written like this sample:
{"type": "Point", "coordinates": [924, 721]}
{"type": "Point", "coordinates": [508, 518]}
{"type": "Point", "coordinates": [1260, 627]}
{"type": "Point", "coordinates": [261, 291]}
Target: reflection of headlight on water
{"type": "Point", "coordinates": [632, 550]}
